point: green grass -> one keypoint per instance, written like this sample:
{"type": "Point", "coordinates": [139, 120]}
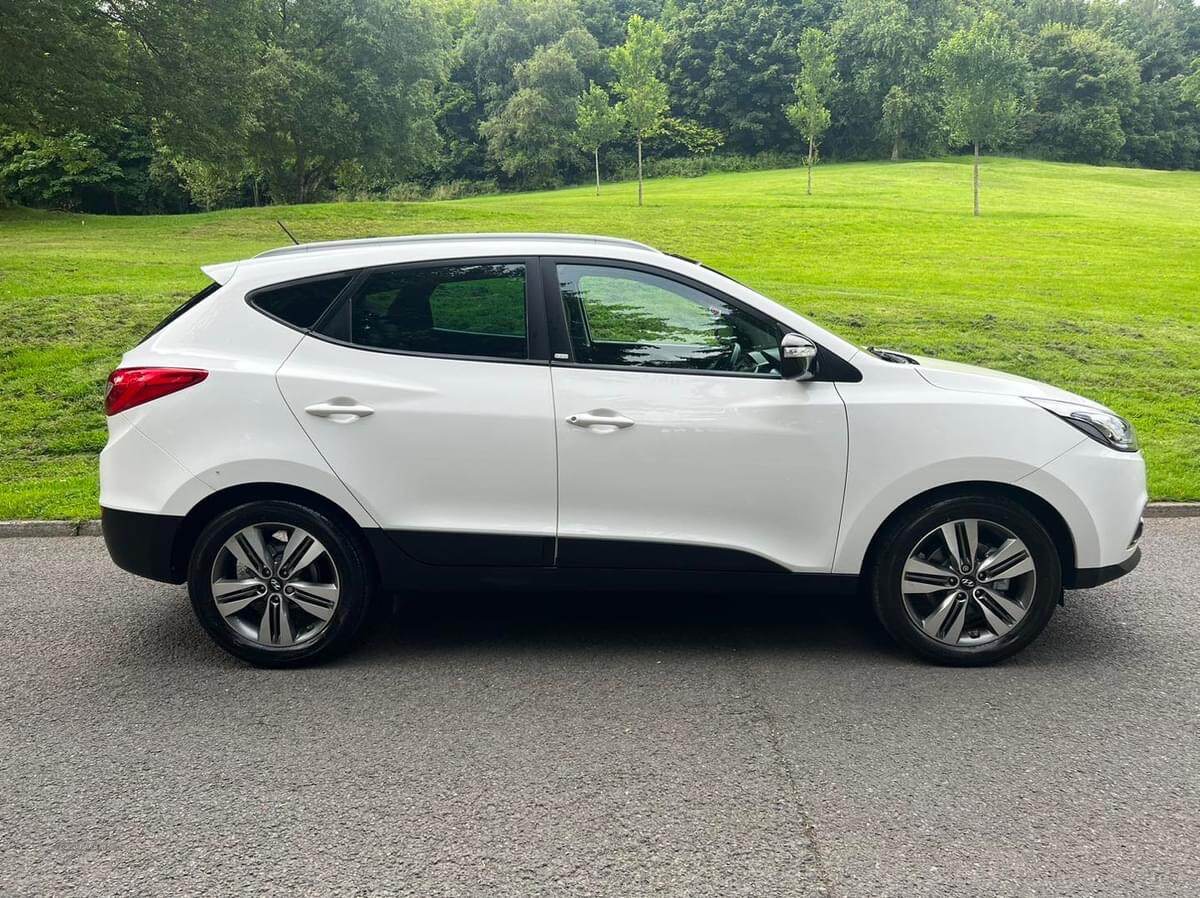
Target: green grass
{"type": "Point", "coordinates": [1088, 278]}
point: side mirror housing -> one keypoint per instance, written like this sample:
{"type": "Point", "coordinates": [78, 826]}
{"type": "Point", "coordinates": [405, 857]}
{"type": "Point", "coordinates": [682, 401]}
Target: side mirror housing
{"type": "Point", "coordinates": [797, 357]}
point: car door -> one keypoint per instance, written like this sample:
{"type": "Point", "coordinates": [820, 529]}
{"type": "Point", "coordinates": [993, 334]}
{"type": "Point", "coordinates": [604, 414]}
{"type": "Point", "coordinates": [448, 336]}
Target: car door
{"type": "Point", "coordinates": [679, 443]}
{"type": "Point", "coordinates": [428, 392]}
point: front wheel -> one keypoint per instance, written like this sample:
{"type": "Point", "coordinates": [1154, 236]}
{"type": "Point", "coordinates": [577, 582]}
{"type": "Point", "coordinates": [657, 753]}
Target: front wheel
{"type": "Point", "coordinates": [966, 581]}
{"type": "Point", "coordinates": [279, 584]}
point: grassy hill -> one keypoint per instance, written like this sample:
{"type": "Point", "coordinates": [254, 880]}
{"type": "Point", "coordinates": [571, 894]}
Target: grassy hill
{"type": "Point", "coordinates": [1085, 277]}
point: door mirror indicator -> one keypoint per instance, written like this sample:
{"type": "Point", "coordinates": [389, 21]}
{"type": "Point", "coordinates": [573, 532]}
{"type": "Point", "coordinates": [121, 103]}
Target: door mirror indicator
{"type": "Point", "coordinates": [797, 357]}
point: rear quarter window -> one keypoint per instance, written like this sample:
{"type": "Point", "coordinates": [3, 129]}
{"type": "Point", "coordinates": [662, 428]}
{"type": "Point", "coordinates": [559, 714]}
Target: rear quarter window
{"type": "Point", "coordinates": [301, 304]}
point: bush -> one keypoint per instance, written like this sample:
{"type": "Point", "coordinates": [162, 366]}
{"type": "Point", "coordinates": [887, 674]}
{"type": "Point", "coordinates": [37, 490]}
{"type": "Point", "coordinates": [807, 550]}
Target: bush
{"type": "Point", "coordinates": [695, 166]}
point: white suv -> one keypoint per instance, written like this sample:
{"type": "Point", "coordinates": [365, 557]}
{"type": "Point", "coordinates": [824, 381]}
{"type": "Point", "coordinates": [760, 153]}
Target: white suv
{"type": "Point", "coordinates": [332, 420]}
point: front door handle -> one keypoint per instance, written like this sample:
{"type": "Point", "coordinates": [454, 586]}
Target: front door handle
{"type": "Point", "coordinates": [341, 410]}
{"type": "Point", "coordinates": [600, 418]}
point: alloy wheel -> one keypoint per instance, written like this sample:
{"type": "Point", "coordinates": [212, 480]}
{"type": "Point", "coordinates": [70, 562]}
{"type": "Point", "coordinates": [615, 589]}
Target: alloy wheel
{"type": "Point", "coordinates": [275, 585]}
{"type": "Point", "coordinates": [968, 582]}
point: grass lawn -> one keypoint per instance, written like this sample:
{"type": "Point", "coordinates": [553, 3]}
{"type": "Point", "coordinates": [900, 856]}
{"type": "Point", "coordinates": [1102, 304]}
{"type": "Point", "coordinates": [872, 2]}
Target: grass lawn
{"type": "Point", "coordinates": [1088, 278]}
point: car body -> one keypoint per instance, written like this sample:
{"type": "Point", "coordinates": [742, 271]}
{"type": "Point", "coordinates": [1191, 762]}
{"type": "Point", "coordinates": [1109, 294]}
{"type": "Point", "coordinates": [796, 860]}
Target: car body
{"type": "Point", "coordinates": [528, 407]}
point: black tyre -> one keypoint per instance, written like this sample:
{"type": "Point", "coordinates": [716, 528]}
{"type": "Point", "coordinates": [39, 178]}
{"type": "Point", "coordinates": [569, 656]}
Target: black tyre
{"type": "Point", "coordinates": [967, 580]}
{"type": "Point", "coordinates": [279, 584]}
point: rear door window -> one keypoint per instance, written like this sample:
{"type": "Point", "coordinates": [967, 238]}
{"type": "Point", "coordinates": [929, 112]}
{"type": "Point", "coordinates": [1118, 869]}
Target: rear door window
{"type": "Point", "coordinates": [472, 309]}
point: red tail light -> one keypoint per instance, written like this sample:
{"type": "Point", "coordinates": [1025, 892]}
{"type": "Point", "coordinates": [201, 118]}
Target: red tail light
{"type": "Point", "coordinates": [128, 387]}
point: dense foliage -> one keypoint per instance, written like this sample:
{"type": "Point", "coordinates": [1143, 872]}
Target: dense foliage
{"type": "Point", "coordinates": [171, 105]}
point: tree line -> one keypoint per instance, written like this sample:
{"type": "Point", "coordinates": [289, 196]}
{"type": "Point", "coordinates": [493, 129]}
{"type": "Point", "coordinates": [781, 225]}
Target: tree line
{"type": "Point", "coordinates": [170, 105]}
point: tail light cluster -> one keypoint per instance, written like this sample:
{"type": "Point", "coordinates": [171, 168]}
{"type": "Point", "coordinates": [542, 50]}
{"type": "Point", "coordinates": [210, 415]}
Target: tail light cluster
{"type": "Point", "coordinates": [129, 387]}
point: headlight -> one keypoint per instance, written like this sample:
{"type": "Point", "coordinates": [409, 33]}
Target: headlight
{"type": "Point", "coordinates": [1103, 427]}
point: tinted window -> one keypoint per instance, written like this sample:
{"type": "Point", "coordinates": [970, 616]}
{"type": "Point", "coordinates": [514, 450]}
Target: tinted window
{"type": "Point", "coordinates": [473, 310]}
{"type": "Point", "coordinates": [300, 305]}
{"type": "Point", "coordinates": [618, 316]}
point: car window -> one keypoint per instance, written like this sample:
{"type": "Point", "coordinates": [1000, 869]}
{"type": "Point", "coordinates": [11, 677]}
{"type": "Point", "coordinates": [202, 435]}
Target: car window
{"type": "Point", "coordinates": [619, 316]}
{"type": "Point", "coordinates": [300, 304]}
{"type": "Point", "coordinates": [472, 310]}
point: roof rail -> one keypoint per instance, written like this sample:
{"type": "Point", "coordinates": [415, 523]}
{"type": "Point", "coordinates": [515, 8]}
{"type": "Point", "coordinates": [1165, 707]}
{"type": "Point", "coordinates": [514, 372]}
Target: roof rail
{"type": "Point", "coordinates": [328, 245]}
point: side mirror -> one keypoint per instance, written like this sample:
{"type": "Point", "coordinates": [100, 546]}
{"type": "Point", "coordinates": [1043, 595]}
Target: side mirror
{"type": "Point", "coordinates": [797, 357]}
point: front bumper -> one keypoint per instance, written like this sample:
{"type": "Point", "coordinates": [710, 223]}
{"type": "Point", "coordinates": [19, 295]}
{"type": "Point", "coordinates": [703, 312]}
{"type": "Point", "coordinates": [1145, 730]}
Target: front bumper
{"type": "Point", "coordinates": [1087, 577]}
{"type": "Point", "coordinates": [143, 544]}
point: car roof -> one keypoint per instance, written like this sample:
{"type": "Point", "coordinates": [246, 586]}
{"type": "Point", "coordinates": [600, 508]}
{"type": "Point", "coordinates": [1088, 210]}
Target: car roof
{"type": "Point", "coordinates": [306, 259]}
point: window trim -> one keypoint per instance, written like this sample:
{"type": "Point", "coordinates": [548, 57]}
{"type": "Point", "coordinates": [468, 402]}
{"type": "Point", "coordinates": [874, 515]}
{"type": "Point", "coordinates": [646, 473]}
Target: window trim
{"type": "Point", "coordinates": [835, 368]}
{"type": "Point", "coordinates": [535, 317]}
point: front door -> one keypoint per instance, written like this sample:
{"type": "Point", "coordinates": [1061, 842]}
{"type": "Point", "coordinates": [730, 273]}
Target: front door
{"type": "Point", "coordinates": [422, 395]}
{"type": "Point", "coordinates": [679, 445]}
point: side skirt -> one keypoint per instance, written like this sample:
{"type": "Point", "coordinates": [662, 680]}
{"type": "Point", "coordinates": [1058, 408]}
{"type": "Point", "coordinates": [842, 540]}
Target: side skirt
{"type": "Point", "coordinates": [454, 562]}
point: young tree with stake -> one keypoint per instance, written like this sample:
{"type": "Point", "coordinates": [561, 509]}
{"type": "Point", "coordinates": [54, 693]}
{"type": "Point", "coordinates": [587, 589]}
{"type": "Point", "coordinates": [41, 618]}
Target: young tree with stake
{"type": "Point", "coordinates": [643, 95]}
{"type": "Point", "coordinates": [597, 123]}
{"type": "Point", "coordinates": [982, 70]}
{"type": "Point", "coordinates": [818, 75]}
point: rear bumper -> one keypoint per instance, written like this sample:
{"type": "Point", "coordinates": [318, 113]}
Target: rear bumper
{"type": "Point", "coordinates": [1087, 577]}
{"type": "Point", "coordinates": [141, 543]}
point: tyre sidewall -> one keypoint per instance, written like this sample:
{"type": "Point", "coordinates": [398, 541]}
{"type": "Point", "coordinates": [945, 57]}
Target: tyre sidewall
{"type": "Point", "coordinates": [904, 536]}
{"type": "Point", "coordinates": [345, 551]}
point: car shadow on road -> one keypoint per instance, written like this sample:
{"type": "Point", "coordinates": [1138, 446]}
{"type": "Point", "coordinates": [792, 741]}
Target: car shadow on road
{"type": "Point", "coordinates": [624, 620]}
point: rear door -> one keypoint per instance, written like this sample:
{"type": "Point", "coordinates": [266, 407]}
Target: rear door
{"type": "Point", "coordinates": [428, 392]}
{"type": "Point", "coordinates": [679, 444]}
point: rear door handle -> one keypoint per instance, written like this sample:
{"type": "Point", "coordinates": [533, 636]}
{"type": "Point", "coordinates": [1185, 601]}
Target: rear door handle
{"type": "Point", "coordinates": [604, 419]}
{"type": "Point", "coordinates": [340, 410]}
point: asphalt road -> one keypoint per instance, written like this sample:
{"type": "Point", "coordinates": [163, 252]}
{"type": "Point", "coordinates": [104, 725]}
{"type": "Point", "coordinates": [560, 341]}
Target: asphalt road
{"type": "Point", "coordinates": [497, 745]}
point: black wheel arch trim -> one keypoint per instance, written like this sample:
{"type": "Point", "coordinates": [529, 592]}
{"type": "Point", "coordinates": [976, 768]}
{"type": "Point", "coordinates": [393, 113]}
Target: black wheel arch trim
{"type": "Point", "coordinates": [1088, 577]}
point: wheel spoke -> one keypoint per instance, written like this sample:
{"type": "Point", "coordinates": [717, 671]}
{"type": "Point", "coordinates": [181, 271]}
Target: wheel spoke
{"type": "Point", "coordinates": [301, 551]}
{"type": "Point", "coordinates": [946, 621]}
{"type": "Point", "coordinates": [1010, 560]}
{"type": "Point", "coordinates": [249, 548]}
{"type": "Point", "coordinates": [275, 627]}
{"type": "Point", "coordinates": [962, 540]}
{"type": "Point", "coordinates": [318, 599]}
{"type": "Point", "coordinates": [954, 627]}
{"type": "Point", "coordinates": [1012, 610]}
{"type": "Point", "coordinates": [285, 625]}
{"type": "Point", "coordinates": [232, 596]}
{"type": "Point", "coordinates": [1001, 614]}
{"type": "Point", "coordinates": [922, 577]}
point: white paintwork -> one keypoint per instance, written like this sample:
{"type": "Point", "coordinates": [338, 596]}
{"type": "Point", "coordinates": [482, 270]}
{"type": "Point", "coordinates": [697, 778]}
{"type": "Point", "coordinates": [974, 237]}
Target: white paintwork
{"type": "Point", "coordinates": [231, 429]}
{"type": "Point", "coordinates": [712, 461]}
{"type": "Point", "coordinates": [1100, 496]}
{"type": "Point", "coordinates": [450, 445]}
{"type": "Point", "coordinates": [800, 473]}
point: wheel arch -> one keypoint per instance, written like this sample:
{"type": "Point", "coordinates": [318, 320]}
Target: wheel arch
{"type": "Point", "coordinates": [1055, 524]}
{"type": "Point", "coordinates": [231, 497]}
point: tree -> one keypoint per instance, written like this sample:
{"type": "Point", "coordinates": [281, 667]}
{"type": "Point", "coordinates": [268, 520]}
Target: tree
{"type": "Point", "coordinates": [897, 108]}
{"type": "Point", "coordinates": [886, 92]}
{"type": "Point", "coordinates": [730, 65]}
{"type": "Point", "coordinates": [815, 83]}
{"type": "Point", "coordinates": [982, 71]}
{"type": "Point", "coordinates": [344, 79]}
{"type": "Point", "coordinates": [1084, 86]}
{"type": "Point", "coordinates": [637, 63]}
{"type": "Point", "coordinates": [499, 36]}
{"type": "Point", "coordinates": [596, 123]}
{"type": "Point", "coordinates": [532, 134]}
{"type": "Point", "coordinates": [63, 67]}
{"type": "Point", "coordinates": [1191, 84]}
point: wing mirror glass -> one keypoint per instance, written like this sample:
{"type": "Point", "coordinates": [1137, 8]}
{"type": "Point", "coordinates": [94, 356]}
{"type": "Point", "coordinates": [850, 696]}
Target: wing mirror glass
{"type": "Point", "coordinates": [797, 357]}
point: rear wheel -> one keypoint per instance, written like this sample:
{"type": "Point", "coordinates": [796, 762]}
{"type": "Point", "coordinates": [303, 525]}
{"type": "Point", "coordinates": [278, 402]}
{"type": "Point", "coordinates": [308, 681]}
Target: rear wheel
{"type": "Point", "coordinates": [278, 584]}
{"type": "Point", "coordinates": [967, 580]}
